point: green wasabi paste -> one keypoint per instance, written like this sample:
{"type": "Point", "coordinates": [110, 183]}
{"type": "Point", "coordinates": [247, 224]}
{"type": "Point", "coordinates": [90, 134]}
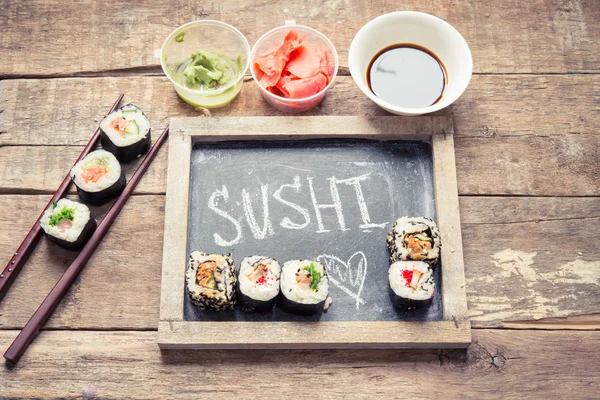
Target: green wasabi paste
{"type": "Point", "coordinates": [179, 38]}
{"type": "Point", "coordinates": [209, 70]}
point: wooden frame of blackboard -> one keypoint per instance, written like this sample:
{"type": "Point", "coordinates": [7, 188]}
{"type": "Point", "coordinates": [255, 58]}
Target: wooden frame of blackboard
{"type": "Point", "coordinates": [174, 332]}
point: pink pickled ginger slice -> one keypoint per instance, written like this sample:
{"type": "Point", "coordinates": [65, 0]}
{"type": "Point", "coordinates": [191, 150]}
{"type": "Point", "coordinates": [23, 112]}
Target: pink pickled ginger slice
{"type": "Point", "coordinates": [272, 64]}
{"type": "Point", "coordinates": [304, 62]}
{"type": "Point", "coordinates": [305, 87]}
{"type": "Point", "coordinates": [324, 66]}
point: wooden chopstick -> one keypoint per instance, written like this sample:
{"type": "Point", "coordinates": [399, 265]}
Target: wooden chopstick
{"type": "Point", "coordinates": [33, 326]}
{"type": "Point", "coordinates": [15, 264]}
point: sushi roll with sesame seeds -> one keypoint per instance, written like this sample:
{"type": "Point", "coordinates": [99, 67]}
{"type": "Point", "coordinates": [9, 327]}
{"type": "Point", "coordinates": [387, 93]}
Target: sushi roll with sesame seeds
{"type": "Point", "coordinates": [125, 132]}
{"type": "Point", "coordinates": [304, 287]}
{"type": "Point", "coordinates": [414, 239]}
{"type": "Point", "coordinates": [211, 281]}
{"type": "Point", "coordinates": [258, 284]}
{"type": "Point", "coordinates": [411, 284]}
{"type": "Point", "coordinates": [68, 223]}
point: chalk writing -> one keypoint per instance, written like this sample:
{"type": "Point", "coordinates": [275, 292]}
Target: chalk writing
{"type": "Point", "coordinates": [337, 205]}
{"type": "Point", "coordinates": [261, 231]}
{"type": "Point", "coordinates": [286, 222]}
{"type": "Point", "coordinates": [212, 204]}
{"type": "Point", "coordinates": [267, 228]}
{"type": "Point", "coordinates": [362, 205]}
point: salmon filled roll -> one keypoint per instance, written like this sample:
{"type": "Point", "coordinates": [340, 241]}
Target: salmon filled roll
{"type": "Point", "coordinates": [125, 132]}
{"type": "Point", "coordinates": [304, 287]}
{"type": "Point", "coordinates": [68, 224]}
{"type": "Point", "coordinates": [98, 177]}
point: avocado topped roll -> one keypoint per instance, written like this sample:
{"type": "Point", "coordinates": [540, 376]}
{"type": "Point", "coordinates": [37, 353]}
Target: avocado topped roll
{"type": "Point", "coordinates": [98, 177]}
{"type": "Point", "coordinates": [68, 224]}
{"type": "Point", "coordinates": [210, 281]}
{"type": "Point", "coordinates": [258, 283]}
{"type": "Point", "coordinates": [304, 287]}
{"type": "Point", "coordinates": [126, 133]}
{"type": "Point", "coordinates": [414, 239]}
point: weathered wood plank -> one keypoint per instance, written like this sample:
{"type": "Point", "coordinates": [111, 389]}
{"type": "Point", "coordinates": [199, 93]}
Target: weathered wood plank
{"type": "Point", "coordinates": [534, 166]}
{"type": "Point", "coordinates": [66, 111]}
{"type": "Point", "coordinates": [563, 37]}
{"type": "Point", "coordinates": [494, 138]}
{"type": "Point", "coordinates": [124, 271]}
{"type": "Point", "coordinates": [531, 166]}
{"type": "Point", "coordinates": [358, 335]}
{"type": "Point", "coordinates": [577, 322]}
{"type": "Point", "coordinates": [501, 364]}
{"type": "Point", "coordinates": [557, 166]}
{"type": "Point", "coordinates": [172, 284]}
{"type": "Point", "coordinates": [40, 169]}
{"type": "Point", "coordinates": [120, 286]}
{"type": "Point", "coordinates": [517, 214]}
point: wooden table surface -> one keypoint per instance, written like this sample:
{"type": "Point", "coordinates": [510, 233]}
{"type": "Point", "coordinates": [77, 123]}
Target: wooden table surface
{"type": "Point", "coordinates": [527, 154]}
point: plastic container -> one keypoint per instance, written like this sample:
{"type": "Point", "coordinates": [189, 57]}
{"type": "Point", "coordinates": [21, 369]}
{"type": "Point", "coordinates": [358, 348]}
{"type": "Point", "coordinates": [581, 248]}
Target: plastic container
{"type": "Point", "coordinates": [266, 41]}
{"type": "Point", "coordinates": [214, 36]}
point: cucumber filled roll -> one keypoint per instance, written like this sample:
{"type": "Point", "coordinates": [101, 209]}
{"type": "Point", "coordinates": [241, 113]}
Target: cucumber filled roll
{"type": "Point", "coordinates": [411, 284]}
{"type": "Point", "coordinates": [69, 224]}
{"type": "Point", "coordinates": [125, 132]}
{"type": "Point", "coordinates": [304, 287]}
{"type": "Point", "coordinates": [258, 283]}
{"type": "Point", "coordinates": [210, 280]}
{"type": "Point", "coordinates": [414, 239]}
{"type": "Point", "coordinates": [98, 177]}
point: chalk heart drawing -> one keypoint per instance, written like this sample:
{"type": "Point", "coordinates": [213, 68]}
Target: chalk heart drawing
{"type": "Point", "coordinates": [349, 275]}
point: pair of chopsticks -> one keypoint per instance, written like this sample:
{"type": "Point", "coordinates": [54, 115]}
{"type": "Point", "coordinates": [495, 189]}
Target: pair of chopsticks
{"type": "Point", "coordinates": [14, 266]}
{"type": "Point", "coordinates": [33, 326]}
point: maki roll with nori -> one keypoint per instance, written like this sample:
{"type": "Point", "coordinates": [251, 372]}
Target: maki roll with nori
{"type": "Point", "coordinates": [98, 177]}
{"type": "Point", "coordinates": [125, 132]}
{"type": "Point", "coordinates": [414, 239]}
{"type": "Point", "coordinates": [304, 287]}
{"type": "Point", "coordinates": [211, 281]}
{"type": "Point", "coordinates": [68, 223]}
{"type": "Point", "coordinates": [411, 284]}
{"type": "Point", "coordinates": [258, 283]}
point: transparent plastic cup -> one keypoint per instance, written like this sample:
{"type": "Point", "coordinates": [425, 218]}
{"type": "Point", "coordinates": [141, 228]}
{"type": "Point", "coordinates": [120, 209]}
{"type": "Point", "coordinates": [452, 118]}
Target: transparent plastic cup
{"type": "Point", "coordinates": [216, 37]}
{"type": "Point", "coordinates": [315, 38]}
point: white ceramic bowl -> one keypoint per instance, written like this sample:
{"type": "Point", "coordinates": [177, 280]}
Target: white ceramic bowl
{"type": "Point", "coordinates": [423, 29]}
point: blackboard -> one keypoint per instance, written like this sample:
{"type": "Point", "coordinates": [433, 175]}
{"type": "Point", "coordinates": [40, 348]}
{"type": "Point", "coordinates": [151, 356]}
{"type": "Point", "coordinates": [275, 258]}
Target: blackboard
{"type": "Point", "coordinates": [333, 200]}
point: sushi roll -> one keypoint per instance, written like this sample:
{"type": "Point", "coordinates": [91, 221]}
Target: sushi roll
{"type": "Point", "coordinates": [211, 281]}
{"type": "Point", "coordinates": [68, 223]}
{"type": "Point", "coordinates": [98, 177]}
{"type": "Point", "coordinates": [411, 284]}
{"type": "Point", "coordinates": [125, 132]}
{"type": "Point", "coordinates": [258, 283]}
{"type": "Point", "coordinates": [304, 287]}
{"type": "Point", "coordinates": [414, 239]}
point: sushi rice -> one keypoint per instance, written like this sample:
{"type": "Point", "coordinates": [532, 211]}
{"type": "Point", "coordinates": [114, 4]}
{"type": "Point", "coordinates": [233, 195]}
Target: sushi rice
{"type": "Point", "coordinates": [136, 125]}
{"type": "Point", "coordinates": [293, 272]}
{"type": "Point", "coordinates": [266, 286]}
{"type": "Point", "coordinates": [75, 213]}
{"type": "Point", "coordinates": [103, 160]}
{"type": "Point", "coordinates": [414, 239]}
{"type": "Point", "coordinates": [412, 280]}
{"type": "Point", "coordinates": [211, 281]}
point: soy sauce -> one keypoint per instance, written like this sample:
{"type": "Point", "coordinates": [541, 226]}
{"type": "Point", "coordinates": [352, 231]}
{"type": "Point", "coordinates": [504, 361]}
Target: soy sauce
{"type": "Point", "coordinates": [407, 75]}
